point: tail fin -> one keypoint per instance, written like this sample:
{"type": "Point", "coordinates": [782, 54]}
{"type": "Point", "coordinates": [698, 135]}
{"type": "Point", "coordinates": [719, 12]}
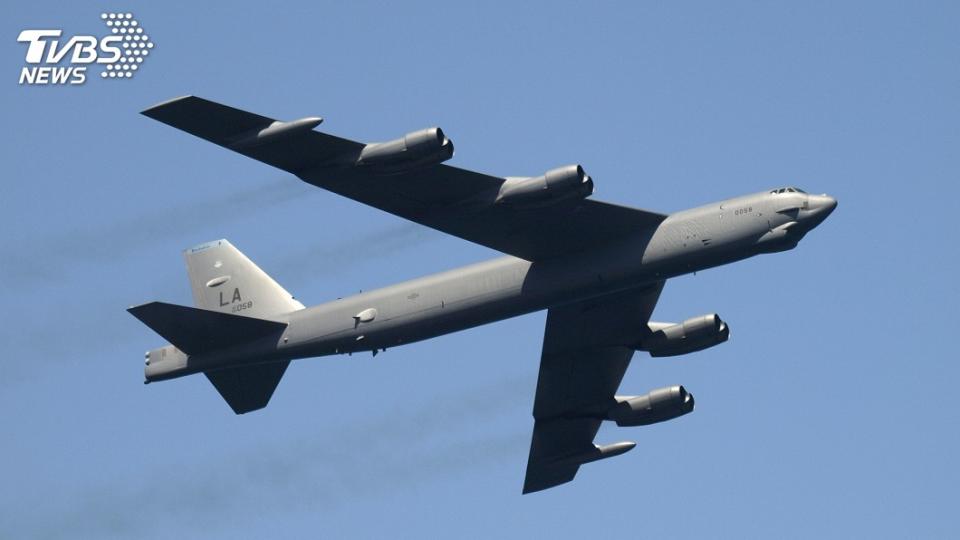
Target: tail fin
{"type": "Point", "coordinates": [224, 279]}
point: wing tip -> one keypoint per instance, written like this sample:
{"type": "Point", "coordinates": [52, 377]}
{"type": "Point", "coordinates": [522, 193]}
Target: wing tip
{"type": "Point", "coordinates": [541, 484]}
{"type": "Point", "coordinates": [152, 110]}
{"type": "Point", "coordinates": [133, 310]}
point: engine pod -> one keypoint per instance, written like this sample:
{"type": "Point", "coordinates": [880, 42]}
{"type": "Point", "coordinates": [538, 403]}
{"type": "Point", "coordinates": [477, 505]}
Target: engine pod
{"type": "Point", "coordinates": [562, 183]}
{"type": "Point", "coordinates": [659, 405]}
{"type": "Point", "coordinates": [414, 150]}
{"type": "Point", "coordinates": [694, 334]}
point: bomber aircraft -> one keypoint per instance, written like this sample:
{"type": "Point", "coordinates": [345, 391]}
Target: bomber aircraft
{"type": "Point", "coordinates": [596, 267]}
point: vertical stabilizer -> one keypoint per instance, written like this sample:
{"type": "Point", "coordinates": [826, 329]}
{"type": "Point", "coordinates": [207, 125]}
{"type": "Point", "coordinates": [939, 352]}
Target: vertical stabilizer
{"type": "Point", "coordinates": [224, 279]}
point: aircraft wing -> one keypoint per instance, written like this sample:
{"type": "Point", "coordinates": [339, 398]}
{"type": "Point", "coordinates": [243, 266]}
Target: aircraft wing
{"type": "Point", "coordinates": [449, 199]}
{"type": "Point", "coordinates": [585, 354]}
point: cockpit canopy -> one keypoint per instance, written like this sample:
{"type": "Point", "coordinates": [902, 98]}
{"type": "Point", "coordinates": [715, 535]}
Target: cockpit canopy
{"type": "Point", "coordinates": [787, 190]}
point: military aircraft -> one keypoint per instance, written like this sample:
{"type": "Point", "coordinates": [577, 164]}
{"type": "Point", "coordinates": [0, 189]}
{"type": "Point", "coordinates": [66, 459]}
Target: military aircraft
{"type": "Point", "coordinates": [596, 267]}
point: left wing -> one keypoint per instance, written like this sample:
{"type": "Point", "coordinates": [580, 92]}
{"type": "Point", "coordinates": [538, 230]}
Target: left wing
{"type": "Point", "coordinates": [449, 199]}
{"type": "Point", "coordinates": [586, 351]}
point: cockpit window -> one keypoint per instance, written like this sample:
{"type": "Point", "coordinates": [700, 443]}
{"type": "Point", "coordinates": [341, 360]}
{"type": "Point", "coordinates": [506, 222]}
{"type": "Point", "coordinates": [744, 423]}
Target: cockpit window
{"type": "Point", "coordinates": [788, 190]}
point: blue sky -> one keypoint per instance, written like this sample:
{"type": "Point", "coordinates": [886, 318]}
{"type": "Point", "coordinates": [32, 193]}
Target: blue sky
{"type": "Point", "coordinates": [829, 413]}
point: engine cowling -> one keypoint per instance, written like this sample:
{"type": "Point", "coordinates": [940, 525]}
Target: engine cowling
{"type": "Point", "coordinates": [414, 150]}
{"type": "Point", "coordinates": [562, 183]}
{"type": "Point", "coordinates": [689, 336]}
{"type": "Point", "coordinates": [658, 406]}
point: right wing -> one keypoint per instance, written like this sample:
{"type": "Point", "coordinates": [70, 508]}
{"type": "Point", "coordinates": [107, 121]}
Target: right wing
{"type": "Point", "coordinates": [449, 199]}
{"type": "Point", "coordinates": [586, 351]}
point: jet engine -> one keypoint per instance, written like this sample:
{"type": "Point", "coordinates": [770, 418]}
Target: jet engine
{"type": "Point", "coordinates": [414, 150]}
{"type": "Point", "coordinates": [689, 336]}
{"type": "Point", "coordinates": [562, 183]}
{"type": "Point", "coordinates": [658, 406]}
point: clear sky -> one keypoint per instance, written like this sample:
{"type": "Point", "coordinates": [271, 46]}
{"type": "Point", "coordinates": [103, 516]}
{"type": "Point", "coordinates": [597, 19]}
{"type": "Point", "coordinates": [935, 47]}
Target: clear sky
{"type": "Point", "coordinates": [831, 412]}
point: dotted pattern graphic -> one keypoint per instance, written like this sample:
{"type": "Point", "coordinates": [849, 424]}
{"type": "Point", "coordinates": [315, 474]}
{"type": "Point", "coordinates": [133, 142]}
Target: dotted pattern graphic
{"type": "Point", "coordinates": [136, 45]}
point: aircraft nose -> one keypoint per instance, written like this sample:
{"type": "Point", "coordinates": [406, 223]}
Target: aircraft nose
{"type": "Point", "coordinates": [825, 204]}
{"type": "Point", "coordinates": [819, 207]}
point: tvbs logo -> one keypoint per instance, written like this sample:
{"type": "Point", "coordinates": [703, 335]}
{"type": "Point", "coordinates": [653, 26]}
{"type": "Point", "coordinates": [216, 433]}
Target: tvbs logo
{"type": "Point", "coordinates": [120, 53]}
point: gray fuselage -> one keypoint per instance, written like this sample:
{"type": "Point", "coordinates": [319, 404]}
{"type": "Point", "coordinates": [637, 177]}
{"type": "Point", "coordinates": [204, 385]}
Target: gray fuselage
{"type": "Point", "coordinates": [505, 287]}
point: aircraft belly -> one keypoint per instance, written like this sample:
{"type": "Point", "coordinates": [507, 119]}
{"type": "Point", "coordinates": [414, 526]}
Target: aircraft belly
{"type": "Point", "coordinates": [505, 287]}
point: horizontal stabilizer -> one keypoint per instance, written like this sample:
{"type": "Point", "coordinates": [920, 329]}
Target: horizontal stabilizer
{"type": "Point", "coordinates": [248, 388]}
{"type": "Point", "coordinates": [197, 331]}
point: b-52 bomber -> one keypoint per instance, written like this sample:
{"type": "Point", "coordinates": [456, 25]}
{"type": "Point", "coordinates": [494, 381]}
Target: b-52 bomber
{"type": "Point", "coordinates": [596, 267]}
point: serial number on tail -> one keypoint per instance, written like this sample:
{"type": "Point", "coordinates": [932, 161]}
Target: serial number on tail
{"type": "Point", "coordinates": [240, 307]}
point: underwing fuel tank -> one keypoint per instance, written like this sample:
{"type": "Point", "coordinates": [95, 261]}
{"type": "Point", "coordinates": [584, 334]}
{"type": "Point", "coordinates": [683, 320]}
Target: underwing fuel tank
{"type": "Point", "coordinates": [275, 132]}
{"type": "Point", "coordinates": [597, 453]}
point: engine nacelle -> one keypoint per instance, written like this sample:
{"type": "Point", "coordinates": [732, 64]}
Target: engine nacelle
{"type": "Point", "coordinates": [658, 406]}
{"type": "Point", "coordinates": [689, 336]}
{"type": "Point", "coordinates": [414, 150]}
{"type": "Point", "coordinates": [562, 183]}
